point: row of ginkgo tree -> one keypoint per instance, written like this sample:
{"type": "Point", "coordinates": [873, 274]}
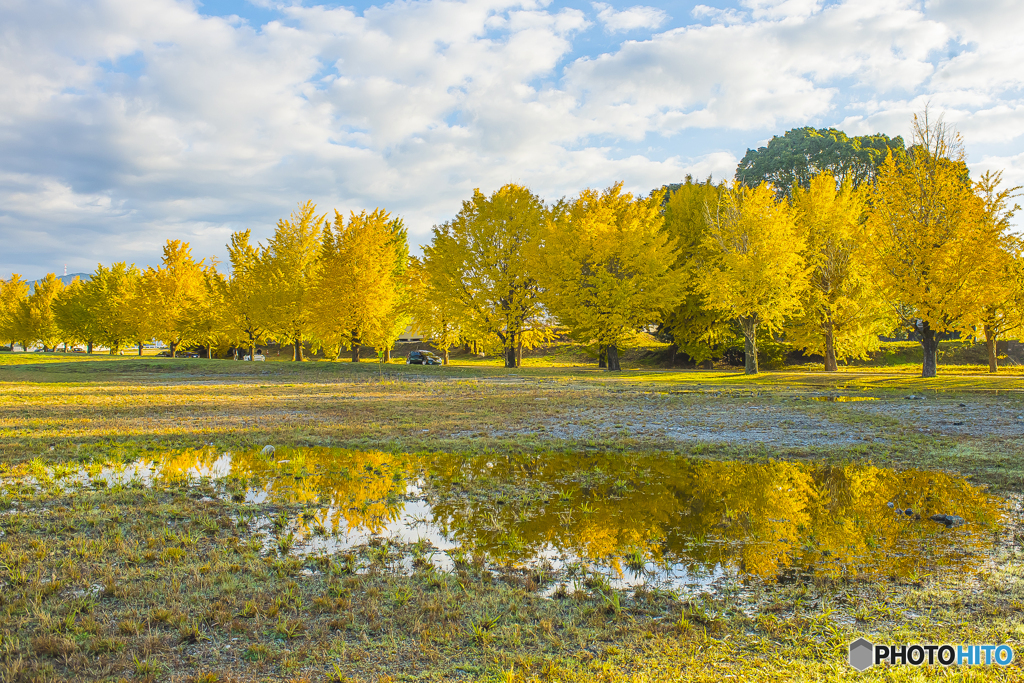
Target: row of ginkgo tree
{"type": "Point", "coordinates": [828, 264]}
{"type": "Point", "coordinates": [316, 282]}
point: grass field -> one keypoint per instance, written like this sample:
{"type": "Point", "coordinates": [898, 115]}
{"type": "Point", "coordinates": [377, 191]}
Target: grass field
{"type": "Point", "coordinates": [188, 577]}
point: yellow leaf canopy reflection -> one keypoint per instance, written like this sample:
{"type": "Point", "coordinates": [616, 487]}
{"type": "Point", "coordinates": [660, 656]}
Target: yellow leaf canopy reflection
{"type": "Point", "coordinates": [356, 490]}
{"type": "Point", "coordinates": [762, 519]}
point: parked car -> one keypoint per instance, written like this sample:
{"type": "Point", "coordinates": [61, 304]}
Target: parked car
{"type": "Point", "coordinates": [189, 354]}
{"type": "Point", "coordinates": [164, 354]}
{"type": "Point", "coordinates": [259, 357]}
{"type": "Point", "coordinates": [423, 358]}
{"type": "Point", "coordinates": [77, 350]}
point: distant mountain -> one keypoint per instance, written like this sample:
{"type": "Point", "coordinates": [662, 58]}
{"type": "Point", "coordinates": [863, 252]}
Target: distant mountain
{"type": "Point", "coordinates": [66, 279]}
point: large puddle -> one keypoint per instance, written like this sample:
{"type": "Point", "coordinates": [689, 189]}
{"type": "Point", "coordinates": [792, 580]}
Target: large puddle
{"type": "Point", "coordinates": [653, 520]}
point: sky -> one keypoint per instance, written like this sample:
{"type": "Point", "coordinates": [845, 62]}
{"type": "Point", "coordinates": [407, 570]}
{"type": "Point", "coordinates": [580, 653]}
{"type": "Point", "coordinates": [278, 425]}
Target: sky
{"type": "Point", "coordinates": [125, 123]}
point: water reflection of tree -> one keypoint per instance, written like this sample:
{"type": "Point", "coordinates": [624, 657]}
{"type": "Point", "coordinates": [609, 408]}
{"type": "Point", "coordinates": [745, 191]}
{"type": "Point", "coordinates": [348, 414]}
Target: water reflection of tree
{"type": "Point", "coordinates": [760, 518]}
{"type": "Point", "coordinates": [353, 490]}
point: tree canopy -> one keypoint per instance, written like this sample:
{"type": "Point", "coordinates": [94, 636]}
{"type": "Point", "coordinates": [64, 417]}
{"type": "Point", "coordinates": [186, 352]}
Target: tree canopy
{"type": "Point", "coordinates": [697, 329]}
{"type": "Point", "coordinates": [290, 262]}
{"type": "Point", "coordinates": [800, 154]}
{"type": "Point", "coordinates": [929, 238]}
{"type": "Point", "coordinates": [841, 315]}
{"type": "Point", "coordinates": [12, 292]}
{"type": "Point", "coordinates": [605, 267]}
{"type": "Point", "coordinates": [824, 241]}
{"type": "Point", "coordinates": [436, 314]}
{"type": "Point", "coordinates": [483, 256]}
{"type": "Point", "coordinates": [171, 292]}
{"type": "Point", "coordinates": [360, 289]}
{"type": "Point", "coordinates": [756, 273]}
{"type": "Point", "coordinates": [1004, 311]}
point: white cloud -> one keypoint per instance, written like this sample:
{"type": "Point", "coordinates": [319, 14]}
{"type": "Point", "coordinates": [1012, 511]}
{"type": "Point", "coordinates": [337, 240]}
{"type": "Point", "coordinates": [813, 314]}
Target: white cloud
{"type": "Point", "coordinates": [718, 16]}
{"type": "Point", "coordinates": [629, 19]}
{"type": "Point", "coordinates": [125, 122]}
{"type": "Point", "coordinates": [781, 9]}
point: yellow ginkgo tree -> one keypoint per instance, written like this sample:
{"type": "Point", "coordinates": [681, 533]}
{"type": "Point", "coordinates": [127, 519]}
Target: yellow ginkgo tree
{"type": "Point", "coordinates": [1004, 312]}
{"type": "Point", "coordinates": [34, 320]}
{"type": "Point", "coordinates": [699, 331]}
{"type": "Point", "coordinates": [438, 316]}
{"type": "Point", "coordinates": [245, 316]}
{"type": "Point", "coordinates": [207, 326]}
{"type": "Point", "coordinates": [756, 272]}
{"type": "Point", "coordinates": [171, 292]}
{"type": "Point", "coordinates": [290, 262]}
{"type": "Point", "coordinates": [122, 312]}
{"type": "Point", "coordinates": [74, 312]}
{"type": "Point", "coordinates": [605, 266]}
{"type": "Point", "coordinates": [359, 290]}
{"type": "Point", "coordinates": [841, 316]}
{"type": "Point", "coordinates": [12, 293]}
{"type": "Point", "coordinates": [932, 247]}
{"type": "Point", "coordinates": [483, 258]}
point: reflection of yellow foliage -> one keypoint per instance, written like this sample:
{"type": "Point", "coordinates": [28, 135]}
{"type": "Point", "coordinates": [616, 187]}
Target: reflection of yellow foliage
{"type": "Point", "coordinates": [600, 539]}
{"type": "Point", "coordinates": [759, 518]}
{"type": "Point", "coordinates": [176, 465]}
{"type": "Point", "coordinates": [359, 489]}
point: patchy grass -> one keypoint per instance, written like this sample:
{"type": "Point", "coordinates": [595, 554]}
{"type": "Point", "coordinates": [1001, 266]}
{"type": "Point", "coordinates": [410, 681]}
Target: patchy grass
{"type": "Point", "coordinates": [178, 580]}
{"type": "Point", "coordinates": [156, 583]}
{"type": "Point", "coordinates": [126, 407]}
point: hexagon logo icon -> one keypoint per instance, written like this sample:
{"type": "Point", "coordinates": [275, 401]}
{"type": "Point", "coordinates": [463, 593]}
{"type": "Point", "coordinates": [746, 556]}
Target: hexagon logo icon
{"type": "Point", "coordinates": [861, 654]}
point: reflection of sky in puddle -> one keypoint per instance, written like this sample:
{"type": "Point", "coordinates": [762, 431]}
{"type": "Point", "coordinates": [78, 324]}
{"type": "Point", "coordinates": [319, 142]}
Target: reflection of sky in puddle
{"type": "Point", "coordinates": [409, 528]}
{"type": "Point", "coordinates": [634, 520]}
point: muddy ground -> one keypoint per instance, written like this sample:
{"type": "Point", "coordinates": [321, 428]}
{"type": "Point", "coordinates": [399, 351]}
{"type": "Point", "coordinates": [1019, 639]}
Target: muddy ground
{"type": "Point", "coordinates": [975, 431]}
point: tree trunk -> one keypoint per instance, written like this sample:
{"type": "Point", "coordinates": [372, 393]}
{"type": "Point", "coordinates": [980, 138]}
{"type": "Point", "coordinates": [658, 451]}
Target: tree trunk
{"type": "Point", "coordinates": [88, 347]}
{"type": "Point", "coordinates": [355, 346]}
{"type": "Point", "coordinates": [519, 353]}
{"type": "Point", "coordinates": [673, 350]}
{"type": "Point", "coordinates": [830, 348]}
{"type": "Point", "coordinates": [387, 355]}
{"type": "Point", "coordinates": [510, 350]}
{"type": "Point", "coordinates": [140, 348]}
{"type": "Point", "coordinates": [209, 352]}
{"type": "Point", "coordinates": [931, 347]}
{"type": "Point", "coordinates": [749, 325]}
{"type": "Point", "coordinates": [613, 358]}
{"type": "Point", "coordinates": [446, 355]}
{"type": "Point", "coordinates": [297, 350]}
{"type": "Point", "coordinates": [990, 344]}
{"type": "Point", "coordinates": [602, 356]}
